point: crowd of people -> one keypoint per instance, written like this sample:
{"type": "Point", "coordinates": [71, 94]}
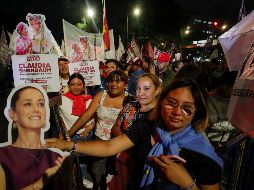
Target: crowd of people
{"type": "Point", "coordinates": [147, 126]}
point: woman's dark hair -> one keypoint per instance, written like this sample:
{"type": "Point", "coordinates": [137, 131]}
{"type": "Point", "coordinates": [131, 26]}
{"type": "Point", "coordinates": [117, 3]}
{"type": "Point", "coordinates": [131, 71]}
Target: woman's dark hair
{"type": "Point", "coordinates": [147, 59]}
{"type": "Point", "coordinates": [76, 75]}
{"type": "Point", "coordinates": [200, 118]}
{"type": "Point", "coordinates": [117, 76]}
{"type": "Point", "coordinates": [196, 73]}
{"type": "Point", "coordinates": [112, 61]}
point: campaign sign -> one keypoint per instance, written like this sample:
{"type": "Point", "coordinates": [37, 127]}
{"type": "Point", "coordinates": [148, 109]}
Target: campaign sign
{"type": "Point", "coordinates": [89, 70]}
{"type": "Point", "coordinates": [241, 107]}
{"type": "Point", "coordinates": [37, 68]}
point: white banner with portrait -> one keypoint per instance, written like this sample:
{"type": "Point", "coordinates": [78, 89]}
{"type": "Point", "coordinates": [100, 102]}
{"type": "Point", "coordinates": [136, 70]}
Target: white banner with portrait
{"type": "Point", "coordinates": [78, 42]}
{"type": "Point", "coordinates": [89, 70]}
{"type": "Point", "coordinates": [37, 68]}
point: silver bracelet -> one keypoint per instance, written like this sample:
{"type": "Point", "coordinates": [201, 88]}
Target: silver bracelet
{"type": "Point", "coordinates": [190, 187]}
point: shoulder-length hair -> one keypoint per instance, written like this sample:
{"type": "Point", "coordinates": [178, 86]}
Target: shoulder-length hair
{"type": "Point", "coordinates": [200, 118]}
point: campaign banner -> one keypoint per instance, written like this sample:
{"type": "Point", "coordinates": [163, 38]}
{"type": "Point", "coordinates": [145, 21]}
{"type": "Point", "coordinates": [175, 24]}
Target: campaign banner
{"type": "Point", "coordinates": [240, 110]}
{"type": "Point", "coordinates": [78, 42]}
{"type": "Point", "coordinates": [37, 68]}
{"type": "Point", "coordinates": [89, 70]}
{"type": "Point", "coordinates": [34, 37]}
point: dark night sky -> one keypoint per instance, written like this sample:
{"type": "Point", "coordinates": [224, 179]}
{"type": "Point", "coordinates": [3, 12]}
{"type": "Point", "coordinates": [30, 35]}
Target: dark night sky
{"type": "Point", "coordinates": [158, 16]}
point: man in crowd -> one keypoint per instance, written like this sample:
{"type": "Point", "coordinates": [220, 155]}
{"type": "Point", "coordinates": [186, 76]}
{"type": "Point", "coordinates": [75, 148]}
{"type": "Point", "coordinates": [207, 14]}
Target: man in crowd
{"type": "Point", "coordinates": [135, 72]}
{"type": "Point", "coordinates": [63, 64]}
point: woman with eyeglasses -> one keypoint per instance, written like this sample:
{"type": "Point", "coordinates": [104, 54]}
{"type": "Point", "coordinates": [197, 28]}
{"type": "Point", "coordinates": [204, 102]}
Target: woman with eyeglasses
{"type": "Point", "coordinates": [175, 152]}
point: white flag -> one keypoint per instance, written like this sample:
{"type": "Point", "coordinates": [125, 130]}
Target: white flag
{"type": "Point", "coordinates": [63, 47]}
{"type": "Point", "coordinates": [120, 51]}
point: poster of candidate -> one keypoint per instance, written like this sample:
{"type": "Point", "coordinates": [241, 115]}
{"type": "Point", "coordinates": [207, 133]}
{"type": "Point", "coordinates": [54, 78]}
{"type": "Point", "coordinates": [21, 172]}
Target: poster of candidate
{"type": "Point", "coordinates": [36, 68]}
{"type": "Point", "coordinates": [34, 37]}
{"type": "Point", "coordinates": [89, 70]}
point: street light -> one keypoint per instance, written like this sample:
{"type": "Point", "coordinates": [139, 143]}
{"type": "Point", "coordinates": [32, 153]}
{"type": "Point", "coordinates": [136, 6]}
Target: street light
{"type": "Point", "coordinates": [136, 12]}
{"type": "Point", "coordinates": [90, 13]}
{"type": "Point", "coordinates": [224, 27]}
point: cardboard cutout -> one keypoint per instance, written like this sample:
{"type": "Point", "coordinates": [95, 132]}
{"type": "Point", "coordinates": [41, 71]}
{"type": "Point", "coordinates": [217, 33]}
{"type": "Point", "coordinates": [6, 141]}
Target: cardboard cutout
{"type": "Point", "coordinates": [8, 117]}
{"type": "Point", "coordinates": [23, 43]}
{"type": "Point", "coordinates": [39, 34]}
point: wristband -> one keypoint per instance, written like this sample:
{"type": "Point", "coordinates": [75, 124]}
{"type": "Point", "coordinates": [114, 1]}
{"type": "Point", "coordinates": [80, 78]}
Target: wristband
{"type": "Point", "coordinates": [190, 187]}
{"type": "Point", "coordinates": [75, 145]}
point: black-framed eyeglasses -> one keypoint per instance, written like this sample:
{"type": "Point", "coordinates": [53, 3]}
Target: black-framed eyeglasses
{"type": "Point", "coordinates": [187, 109]}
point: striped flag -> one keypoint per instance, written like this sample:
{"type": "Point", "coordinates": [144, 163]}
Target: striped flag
{"type": "Point", "coordinates": [133, 50]}
{"type": "Point", "coordinates": [106, 38]}
{"type": "Point", "coordinates": [157, 52]}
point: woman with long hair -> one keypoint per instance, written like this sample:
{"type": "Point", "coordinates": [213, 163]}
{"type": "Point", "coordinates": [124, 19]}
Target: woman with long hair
{"type": "Point", "coordinates": [173, 150]}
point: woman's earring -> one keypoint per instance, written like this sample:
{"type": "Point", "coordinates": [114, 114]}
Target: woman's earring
{"type": "Point", "coordinates": [14, 125]}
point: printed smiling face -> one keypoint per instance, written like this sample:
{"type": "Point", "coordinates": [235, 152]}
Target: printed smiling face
{"type": "Point", "coordinates": [84, 42]}
{"type": "Point", "coordinates": [36, 24]}
{"type": "Point", "coordinates": [29, 112]}
{"type": "Point", "coordinates": [24, 32]}
{"type": "Point", "coordinates": [178, 109]}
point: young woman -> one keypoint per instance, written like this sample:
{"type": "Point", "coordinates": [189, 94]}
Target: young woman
{"type": "Point", "coordinates": [147, 93]}
{"type": "Point", "coordinates": [106, 105]}
{"type": "Point", "coordinates": [74, 104]}
{"type": "Point", "coordinates": [178, 131]}
{"type": "Point", "coordinates": [25, 161]}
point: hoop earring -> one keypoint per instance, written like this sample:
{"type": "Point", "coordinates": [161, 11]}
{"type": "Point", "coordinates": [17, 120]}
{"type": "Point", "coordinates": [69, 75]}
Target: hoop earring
{"type": "Point", "coordinates": [14, 125]}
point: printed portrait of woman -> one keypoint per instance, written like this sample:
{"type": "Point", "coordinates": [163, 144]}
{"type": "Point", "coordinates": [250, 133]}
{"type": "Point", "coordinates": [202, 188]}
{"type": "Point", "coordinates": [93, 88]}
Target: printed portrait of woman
{"type": "Point", "coordinates": [84, 41]}
{"type": "Point", "coordinates": [39, 33]}
{"type": "Point", "coordinates": [23, 159]}
{"type": "Point", "coordinates": [23, 44]}
{"type": "Point", "coordinates": [76, 53]}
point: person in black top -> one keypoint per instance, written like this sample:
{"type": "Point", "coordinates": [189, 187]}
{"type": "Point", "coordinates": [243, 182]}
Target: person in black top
{"type": "Point", "coordinates": [176, 131]}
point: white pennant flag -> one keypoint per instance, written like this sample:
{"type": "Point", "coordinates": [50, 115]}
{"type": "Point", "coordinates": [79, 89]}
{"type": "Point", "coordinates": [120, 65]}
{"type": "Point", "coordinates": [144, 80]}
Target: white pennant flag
{"type": "Point", "coordinates": [120, 51]}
